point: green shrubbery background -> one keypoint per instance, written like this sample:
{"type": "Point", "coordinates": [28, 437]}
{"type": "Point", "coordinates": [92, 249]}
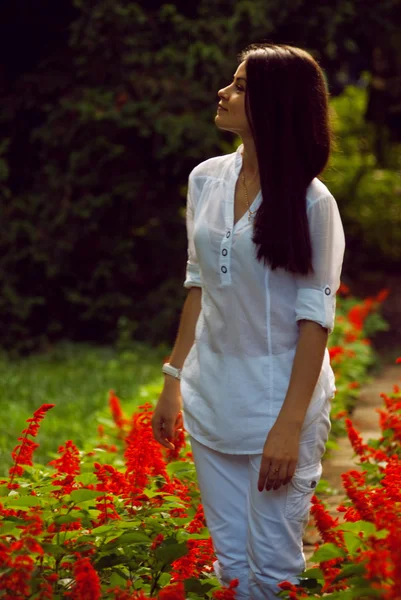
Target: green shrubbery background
{"type": "Point", "coordinates": [98, 138]}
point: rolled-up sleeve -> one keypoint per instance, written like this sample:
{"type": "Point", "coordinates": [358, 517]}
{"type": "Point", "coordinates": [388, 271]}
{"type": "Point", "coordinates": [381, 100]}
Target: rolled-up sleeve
{"type": "Point", "coordinates": [316, 293]}
{"type": "Point", "coordinates": [192, 270]}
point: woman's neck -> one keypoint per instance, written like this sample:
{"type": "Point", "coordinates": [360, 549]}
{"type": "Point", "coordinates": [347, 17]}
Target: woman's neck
{"type": "Point", "coordinates": [250, 165]}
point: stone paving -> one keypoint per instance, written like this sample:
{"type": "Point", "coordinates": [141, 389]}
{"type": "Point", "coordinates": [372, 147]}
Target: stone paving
{"type": "Point", "coordinates": [365, 419]}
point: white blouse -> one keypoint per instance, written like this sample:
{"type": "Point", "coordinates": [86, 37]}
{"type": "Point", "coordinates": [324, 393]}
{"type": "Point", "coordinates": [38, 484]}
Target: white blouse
{"type": "Point", "coordinates": [236, 375]}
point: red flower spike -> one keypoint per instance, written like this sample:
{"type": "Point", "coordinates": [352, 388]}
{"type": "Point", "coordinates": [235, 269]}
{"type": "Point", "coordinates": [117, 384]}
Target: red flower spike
{"type": "Point", "coordinates": [143, 455]}
{"type": "Point", "coordinates": [68, 466]}
{"type": "Point", "coordinates": [343, 289]}
{"type": "Point", "coordinates": [87, 583]}
{"type": "Point", "coordinates": [382, 295]}
{"type": "Point", "coordinates": [176, 591]}
{"type": "Point", "coordinates": [22, 453]}
{"type": "Point", "coordinates": [356, 440]}
{"type": "Point", "coordinates": [116, 410]}
{"type": "Point", "coordinates": [325, 523]}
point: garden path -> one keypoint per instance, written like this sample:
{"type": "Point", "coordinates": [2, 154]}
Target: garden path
{"type": "Point", "coordinates": [366, 421]}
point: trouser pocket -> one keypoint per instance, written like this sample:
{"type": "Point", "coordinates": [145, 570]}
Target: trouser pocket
{"type": "Point", "coordinates": [300, 491]}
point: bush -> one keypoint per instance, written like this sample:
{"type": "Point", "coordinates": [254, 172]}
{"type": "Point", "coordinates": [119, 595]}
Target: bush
{"type": "Point", "coordinates": [99, 139]}
{"type": "Point", "coordinates": [368, 195]}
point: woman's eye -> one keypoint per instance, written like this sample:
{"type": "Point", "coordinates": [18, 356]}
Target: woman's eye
{"type": "Point", "coordinates": [239, 88]}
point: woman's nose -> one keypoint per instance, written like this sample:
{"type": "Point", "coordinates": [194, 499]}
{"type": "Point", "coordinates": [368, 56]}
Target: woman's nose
{"type": "Point", "coordinates": [222, 93]}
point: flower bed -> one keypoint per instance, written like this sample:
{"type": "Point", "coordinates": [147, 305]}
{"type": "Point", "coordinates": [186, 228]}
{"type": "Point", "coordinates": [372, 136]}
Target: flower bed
{"type": "Point", "coordinates": [361, 557]}
{"type": "Point", "coordinates": [123, 519]}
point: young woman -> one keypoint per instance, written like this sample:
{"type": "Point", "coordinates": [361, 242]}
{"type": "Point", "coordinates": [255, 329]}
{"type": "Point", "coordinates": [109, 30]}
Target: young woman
{"type": "Point", "coordinates": [250, 364]}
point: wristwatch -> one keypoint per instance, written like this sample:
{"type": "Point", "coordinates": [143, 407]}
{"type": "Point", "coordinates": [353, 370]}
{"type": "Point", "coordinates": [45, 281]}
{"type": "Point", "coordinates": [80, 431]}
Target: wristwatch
{"type": "Point", "coordinates": [170, 370]}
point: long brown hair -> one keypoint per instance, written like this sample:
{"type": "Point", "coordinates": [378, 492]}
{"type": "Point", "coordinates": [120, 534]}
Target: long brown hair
{"type": "Point", "coordinates": [287, 108]}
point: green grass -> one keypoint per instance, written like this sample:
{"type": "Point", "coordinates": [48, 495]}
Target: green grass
{"type": "Point", "coordinates": [77, 379]}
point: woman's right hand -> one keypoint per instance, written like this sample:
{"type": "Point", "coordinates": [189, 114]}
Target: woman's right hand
{"type": "Point", "coordinates": [167, 416]}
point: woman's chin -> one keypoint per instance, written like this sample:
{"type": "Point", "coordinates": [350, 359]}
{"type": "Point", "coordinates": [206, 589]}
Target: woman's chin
{"type": "Point", "coordinates": [219, 122]}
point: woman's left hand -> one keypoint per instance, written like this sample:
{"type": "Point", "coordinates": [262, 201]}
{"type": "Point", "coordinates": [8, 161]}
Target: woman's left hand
{"type": "Point", "coordinates": [280, 456]}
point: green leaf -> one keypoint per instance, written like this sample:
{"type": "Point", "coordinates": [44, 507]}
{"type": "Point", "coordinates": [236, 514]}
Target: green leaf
{"type": "Point", "coordinates": [53, 549]}
{"type": "Point", "coordinates": [327, 552]}
{"type": "Point", "coordinates": [116, 580]}
{"type": "Point", "coordinates": [313, 573]}
{"type": "Point", "coordinates": [103, 529]}
{"type": "Point", "coordinates": [111, 560]}
{"type": "Point", "coordinates": [24, 502]}
{"type": "Point", "coordinates": [62, 519]}
{"type": "Point", "coordinates": [132, 537]}
{"type": "Point", "coordinates": [350, 571]}
{"type": "Point", "coordinates": [202, 535]}
{"type": "Point", "coordinates": [168, 553]}
{"type": "Point", "coordinates": [195, 586]}
{"type": "Point", "coordinates": [352, 542]}
{"type": "Point", "coordinates": [164, 579]}
{"type": "Point", "coordinates": [365, 527]}
{"type": "Point", "coordinates": [7, 527]}
{"type": "Point", "coordinates": [84, 495]}
{"type": "Point", "coordinates": [178, 468]}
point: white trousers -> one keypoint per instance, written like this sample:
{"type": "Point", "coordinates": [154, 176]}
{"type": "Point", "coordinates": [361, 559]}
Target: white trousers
{"type": "Point", "coordinates": [257, 536]}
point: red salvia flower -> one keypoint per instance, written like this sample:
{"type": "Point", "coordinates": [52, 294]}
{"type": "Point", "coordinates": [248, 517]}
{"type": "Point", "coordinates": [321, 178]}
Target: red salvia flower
{"type": "Point", "coordinates": [199, 558]}
{"type": "Point", "coordinates": [179, 444]}
{"type": "Point", "coordinates": [15, 581]}
{"type": "Point", "coordinates": [198, 522]}
{"type": "Point", "coordinates": [335, 351]}
{"type": "Point", "coordinates": [105, 505]}
{"type": "Point", "coordinates": [110, 480]}
{"type": "Point", "coordinates": [227, 593]}
{"type": "Point", "coordinates": [68, 466]}
{"type": "Point", "coordinates": [22, 453]}
{"type": "Point", "coordinates": [358, 313]}
{"type": "Point", "coordinates": [87, 583]}
{"type": "Point", "coordinates": [354, 385]}
{"type": "Point", "coordinates": [356, 440]}
{"type": "Point", "coordinates": [143, 454]}
{"type": "Point", "coordinates": [325, 523]}
{"type": "Point", "coordinates": [382, 295]}
{"type": "Point", "coordinates": [157, 540]}
{"type": "Point", "coordinates": [116, 410]}
{"type": "Point", "coordinates": [352, 481]}
{"type": "Point", "coordinates": [175, 591]}
{"type": "Point", "coordinates": [343, 289]}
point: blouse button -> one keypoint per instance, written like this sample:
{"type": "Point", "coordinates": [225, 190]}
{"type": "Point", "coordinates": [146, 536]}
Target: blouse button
{"type": "Point", "coordinates": [327, 291]}
{"type": "Point", "coordinates": [224, 269]}
{"type": "Point", "coordinates": [224, 252]}
{"type": "Point", "coordinates": [228, 234]}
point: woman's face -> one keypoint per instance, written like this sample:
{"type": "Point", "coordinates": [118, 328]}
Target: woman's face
{"type": "Point", "coordinates": [231, 114]}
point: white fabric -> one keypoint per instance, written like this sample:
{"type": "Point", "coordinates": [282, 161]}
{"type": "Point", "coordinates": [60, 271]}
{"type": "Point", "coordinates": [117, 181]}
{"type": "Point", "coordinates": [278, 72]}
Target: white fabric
{"type": "Point", "coordinates": [257, 536]}
{"type": "Point", "coordinates": [235, 377]}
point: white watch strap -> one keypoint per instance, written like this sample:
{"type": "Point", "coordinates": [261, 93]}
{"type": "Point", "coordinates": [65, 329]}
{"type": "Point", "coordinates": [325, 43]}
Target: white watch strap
{"type": "Point", "coordinates": [170, 370]}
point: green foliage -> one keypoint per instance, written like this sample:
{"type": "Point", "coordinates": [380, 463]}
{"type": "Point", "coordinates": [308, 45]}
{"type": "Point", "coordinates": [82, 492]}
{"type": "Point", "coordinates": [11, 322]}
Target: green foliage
{"type": "Point", "coordinates": [369, 196]}
{"type": "Point", "coordinates": [77, 378]}
{"type": "Point", "coordinates": [99, 139]}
